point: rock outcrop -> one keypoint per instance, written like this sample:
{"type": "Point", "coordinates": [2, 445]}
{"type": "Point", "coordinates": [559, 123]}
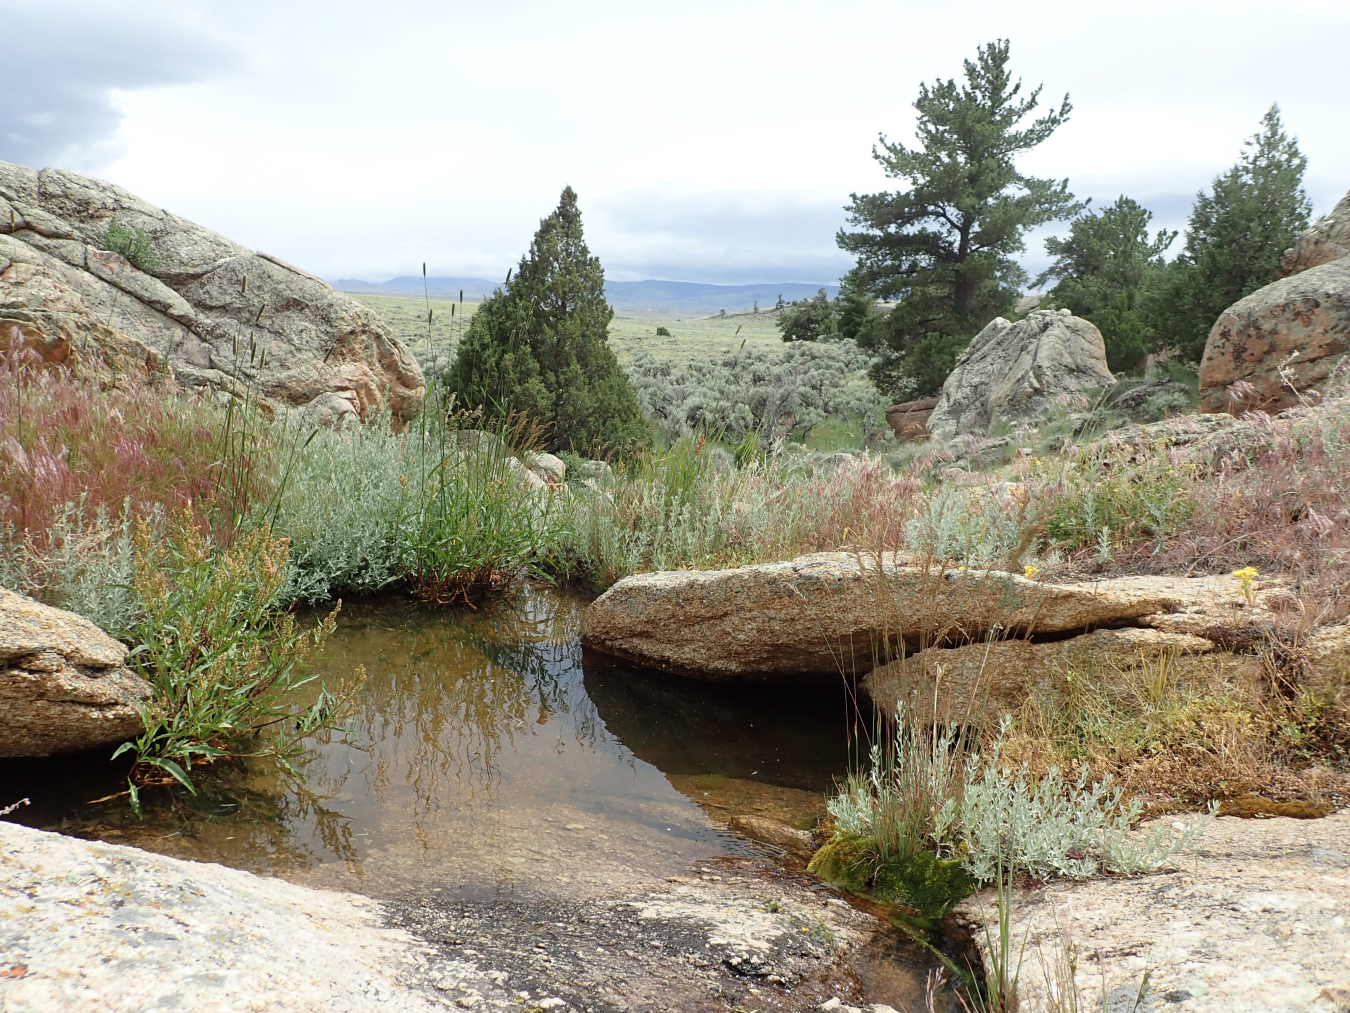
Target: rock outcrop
{"type": "Point", "coordinates": [1328, 239]}
{"type": "Point", "coordinates": [1279, 345]}
{"type": "Point", "coordinates": [207, 310]}
{"type": "Point", "coordinates": [1019, 372]}
{"type": "Point", "coordinates": [909, 421]}
{"type": "Point", "coordinates": [979, 681]}
{"type": "Point", "coordinates": [832, 611]}
{"type": "Point", "coordinates": [63, 685]}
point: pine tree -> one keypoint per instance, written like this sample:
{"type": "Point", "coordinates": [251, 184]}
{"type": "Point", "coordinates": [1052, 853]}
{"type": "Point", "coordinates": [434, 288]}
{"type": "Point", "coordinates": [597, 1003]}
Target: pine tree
{"type": "Point", "coordinates": [540, 346]}
{"type": "Point", "coordinates": [1234, 239]}
{"type": "Point", "coordinates": [944, 245]}
{"type": "Point", "coordinates": [1104, 265]}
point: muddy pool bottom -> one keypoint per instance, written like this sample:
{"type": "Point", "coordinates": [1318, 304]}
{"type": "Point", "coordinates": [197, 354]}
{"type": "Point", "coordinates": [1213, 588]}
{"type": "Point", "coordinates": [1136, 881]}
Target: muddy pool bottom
{"type": "Point", "coordinates": [489, 759]}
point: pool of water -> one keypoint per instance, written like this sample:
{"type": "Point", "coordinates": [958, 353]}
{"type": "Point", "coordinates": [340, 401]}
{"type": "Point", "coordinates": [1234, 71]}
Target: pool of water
{"type": "Point", "coordinates": [487, 755]}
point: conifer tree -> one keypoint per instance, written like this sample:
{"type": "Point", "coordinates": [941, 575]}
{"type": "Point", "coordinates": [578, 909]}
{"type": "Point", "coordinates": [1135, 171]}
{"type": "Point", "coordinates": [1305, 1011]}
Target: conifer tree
{"type": "Point", "coordinates": [540, 346]}
{"type": "Point", "coordinates": [1103, 266]}
{"type": "Point", "coordinates": [1234, 238]}
{"type": "Point", "coordinates": [944, 245]}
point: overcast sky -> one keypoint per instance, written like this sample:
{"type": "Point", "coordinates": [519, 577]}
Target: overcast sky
{"type": "Point", "coordinates": [707, 141]}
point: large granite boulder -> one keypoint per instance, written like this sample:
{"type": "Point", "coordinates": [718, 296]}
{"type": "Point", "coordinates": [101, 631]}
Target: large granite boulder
{"type": "Point", "coordinates": [1328, 239]}
{"type": "Point", "coordinates": [834, 612]}
{"type": "Point", "coordinates": [208, 310]}
{"type": "Point", "coordinates": [63, 684]}
{"type": "Point", "coordinates": [1279, 345]}
{"type": "Point", "coordinates": [1020, 372]}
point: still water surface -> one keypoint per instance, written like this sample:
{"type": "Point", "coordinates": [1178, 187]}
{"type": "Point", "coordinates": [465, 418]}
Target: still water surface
{"type": "Point", "coordinates": [487, 755]}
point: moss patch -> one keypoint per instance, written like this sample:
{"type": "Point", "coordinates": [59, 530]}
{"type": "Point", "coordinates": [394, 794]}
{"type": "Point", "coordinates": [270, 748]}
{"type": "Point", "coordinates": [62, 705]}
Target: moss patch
{"type": "Point", "coordinates": [922, 883]}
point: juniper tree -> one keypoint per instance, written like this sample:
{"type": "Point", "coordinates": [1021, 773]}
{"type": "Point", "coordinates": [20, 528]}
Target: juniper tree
{"type": "Point", "coordinates": [1103, 266]}
{"type": "Point", "coordinates": [1234, 238]}
{"type": "Point", "coordinates": [540, 346]}
{"type": "Point", "coordinates": [944, 245]}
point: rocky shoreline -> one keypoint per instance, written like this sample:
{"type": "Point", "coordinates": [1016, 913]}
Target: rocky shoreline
{"type": "Point", "coordinates": [1256, 919]}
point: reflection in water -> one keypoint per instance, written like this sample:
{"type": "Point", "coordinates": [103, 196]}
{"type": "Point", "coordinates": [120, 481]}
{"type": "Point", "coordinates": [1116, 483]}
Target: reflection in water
{"type": "Point", "coordinates": [485, 756]}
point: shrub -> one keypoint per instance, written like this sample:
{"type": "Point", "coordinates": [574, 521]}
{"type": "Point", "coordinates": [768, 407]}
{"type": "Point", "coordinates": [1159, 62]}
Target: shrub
{"type": "Point", "coordinates": [775, 394]}
{"type": "Point", "coordinates": [224, 661]}
{"type": "Point", "coordinates": [663, 332]}
{"type": "Point", "coordinates": [134, 245]}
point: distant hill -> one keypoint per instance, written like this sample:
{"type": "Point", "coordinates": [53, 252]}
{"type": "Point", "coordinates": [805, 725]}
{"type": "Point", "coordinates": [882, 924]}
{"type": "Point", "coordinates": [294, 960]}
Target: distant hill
{"type": "Point", "coordinates": [651, 296]}
{"type": "Point", "coordinates": [474, 289]}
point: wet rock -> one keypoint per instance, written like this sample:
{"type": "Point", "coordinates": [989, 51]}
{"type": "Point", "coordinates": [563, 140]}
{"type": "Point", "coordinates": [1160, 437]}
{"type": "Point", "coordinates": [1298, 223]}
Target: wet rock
{"type": "Point", "coordinates": [800, 844]}
{"type": "Point", "coordinates": [833, 611]}
{"type": "Point", "coordinates": [1020, 372]}
{"type": "Point", "coordinates": [211, 312]}
{"type": "Point", "coordinates": [1328, 239]}
{"type": "Point", "coordinates": [1280, 345]}
{"type": "Point", "coordinates": [981, 681]}
{"type": "Point", "coordinates": [63, 685]}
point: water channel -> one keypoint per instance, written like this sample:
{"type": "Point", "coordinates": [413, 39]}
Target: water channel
{"type": "Point", "coordinates": [488, 756]}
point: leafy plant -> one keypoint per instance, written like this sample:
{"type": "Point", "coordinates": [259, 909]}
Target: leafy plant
{"type": "Point", "coordinates": [224, 662]}
{"type": "Point", "coordinates": [133, 244]}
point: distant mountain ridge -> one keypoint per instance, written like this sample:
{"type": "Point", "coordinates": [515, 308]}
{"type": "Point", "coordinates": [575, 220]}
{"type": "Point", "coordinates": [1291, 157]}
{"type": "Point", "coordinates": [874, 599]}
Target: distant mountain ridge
{"type": "Point", "coordinates": [650, 296]}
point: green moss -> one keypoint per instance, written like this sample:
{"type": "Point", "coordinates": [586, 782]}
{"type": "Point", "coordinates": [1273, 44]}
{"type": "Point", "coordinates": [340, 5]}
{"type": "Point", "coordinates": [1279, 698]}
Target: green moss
{"type": "Point", "coordinates": [922, 883]}
{"type": "Point", "coordinates": [925, 882]}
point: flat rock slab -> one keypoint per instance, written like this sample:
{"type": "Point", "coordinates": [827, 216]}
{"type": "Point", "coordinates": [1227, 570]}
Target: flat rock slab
{"type": "Point", "coordinates": [1257, 919]}
{"type": "Point", "coordinates": [835, 612]}
{"type": "Point", "coordinates": [979, 680]}
{"type": "Point", "coordinates": [101, 927]}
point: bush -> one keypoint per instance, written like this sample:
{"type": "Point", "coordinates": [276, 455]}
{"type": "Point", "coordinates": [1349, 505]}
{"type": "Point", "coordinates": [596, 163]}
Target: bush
{"type": "Point", "coordinates": [443, 507]}
{"type": "Point", "coordinates": [224, 661]}
{"type": "Point", "coordinates": [775, 394]}
{"type": "Point", "coordinates": [134, 245]}
{"type": "Point", "coordinates": [663, 332]}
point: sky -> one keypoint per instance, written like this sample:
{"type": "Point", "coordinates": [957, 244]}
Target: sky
{"type": "Point", "coordinates": [707, 141]}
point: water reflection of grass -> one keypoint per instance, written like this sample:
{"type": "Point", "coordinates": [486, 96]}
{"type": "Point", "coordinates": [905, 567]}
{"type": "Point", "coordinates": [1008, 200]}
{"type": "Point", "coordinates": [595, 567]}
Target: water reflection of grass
{"type": "Point", "coordinates": [449, 693]}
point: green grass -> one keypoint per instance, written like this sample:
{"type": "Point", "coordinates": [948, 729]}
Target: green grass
{"type": "Point", "coordinates": [690, 337]}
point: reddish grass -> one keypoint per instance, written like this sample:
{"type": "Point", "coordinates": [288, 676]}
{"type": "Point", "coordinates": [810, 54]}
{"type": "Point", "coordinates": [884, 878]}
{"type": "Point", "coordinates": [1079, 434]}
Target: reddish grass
{"type": "Point", "coordinates": [64, 440]}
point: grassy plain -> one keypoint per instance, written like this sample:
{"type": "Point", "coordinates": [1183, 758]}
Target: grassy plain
{"type": "Point", "coordinates": [690, 337]}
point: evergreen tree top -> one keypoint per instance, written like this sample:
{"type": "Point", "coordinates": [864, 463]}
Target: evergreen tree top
{"type": "Point", "coordinates": [558, 278]}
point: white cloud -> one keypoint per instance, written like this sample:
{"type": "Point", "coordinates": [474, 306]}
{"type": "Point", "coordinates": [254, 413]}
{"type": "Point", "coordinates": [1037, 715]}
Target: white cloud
{"type": "Point", "coordinates": [713, 142]}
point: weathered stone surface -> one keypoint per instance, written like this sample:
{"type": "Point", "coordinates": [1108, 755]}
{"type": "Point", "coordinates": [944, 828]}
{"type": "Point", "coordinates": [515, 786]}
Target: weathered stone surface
{"type": "Point", "coordinates": [829, 611]}
{"type": "Point", "coordinates": [979, 681]}
{"type": "Point", "coordinates": [212, 312]}
{"type": "Point", "coordinates": [102, 927]}
{"type": "Point", "coordinates": [909, 421]}
{"type": "Point", "coordinates": [1207, 441]}
{"type": "Point", "coordinates": [1278, 344]}
{"type": "Point", "coordinates": [1328, 239]}
{"type": "Point", "coordinates": [63, 687]}
{"type": "Point", "coordinates": [1256, 919]}
{"type": "Point", "coordinates": [1019, 372]}
{"type": "Point", "coordinates": [551, 469]}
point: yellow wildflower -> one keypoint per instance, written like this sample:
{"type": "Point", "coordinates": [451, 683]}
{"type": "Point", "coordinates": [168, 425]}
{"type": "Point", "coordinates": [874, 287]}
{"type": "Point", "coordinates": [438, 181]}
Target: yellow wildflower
{"type": "Point", "coordinates": [1245, 577]}
{"type": "Point", "coordinates": [1030, 571]}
